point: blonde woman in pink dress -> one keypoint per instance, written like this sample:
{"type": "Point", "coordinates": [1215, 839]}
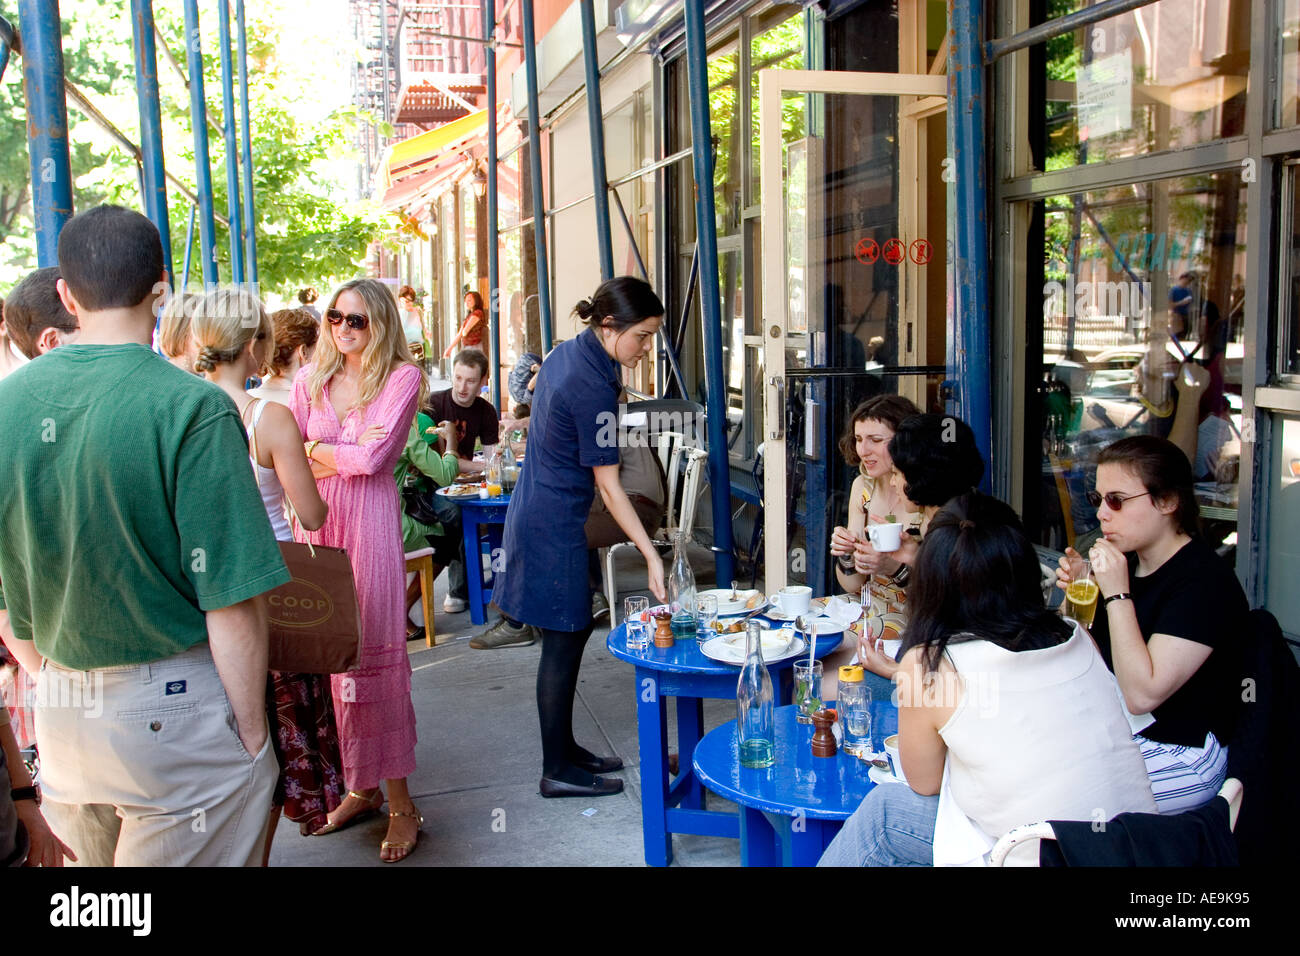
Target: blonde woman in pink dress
{"type": "Point", "coordinates": [354, 404]}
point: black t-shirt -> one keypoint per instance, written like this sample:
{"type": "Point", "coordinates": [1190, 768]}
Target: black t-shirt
{"type": "Point", "coordinates": [478, 421]}
{"type": "Point", "coordinates": [1194, 595]}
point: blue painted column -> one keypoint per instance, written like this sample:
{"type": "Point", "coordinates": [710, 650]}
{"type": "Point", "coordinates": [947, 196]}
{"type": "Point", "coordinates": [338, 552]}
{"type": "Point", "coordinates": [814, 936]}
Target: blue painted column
{"type": "Point", "coordinates": [970, 350]}
{"type": "Point", "coordinates": [47, 124]}
{"type": "Point", "coordinates": [535, 169]}
{"type": "Point", "coordinates": [232, 143]}
{"type": "Point", "coordinates": [202, 166]}
{"type": "Point", "coordinates": [596, 129]}
{"type": "Point", "coordinates": [246, 149]}
{"type": "Point", "coordinates": [151, 143]}
{"type": "Point", "coordinates": [494, 271]}
{"type": "Point", "coordinates": [710, 296]}
{"type": "Point", "coordinates": [189, 248]}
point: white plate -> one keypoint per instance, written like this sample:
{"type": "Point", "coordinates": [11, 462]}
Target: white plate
{"type": "Point", "coordinates": [719, 650]}
{"type": "Point", "coordinates": [739, 606]}
{"type": "Point", "coordinates": [883, 776]}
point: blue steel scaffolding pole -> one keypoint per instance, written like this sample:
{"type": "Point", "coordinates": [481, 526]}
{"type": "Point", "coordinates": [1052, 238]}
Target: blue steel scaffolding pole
{"type": "Point", "coordinates": [151, 144]}
{"type": "Point", "coordinates": [199, 123]}
{"type": "Point", "coordinates": [47, 124]}
{"type": "Point", "coordinates": [970, 358]}
{"type": "Point", "coordinates": [535, 178]}
{"type": "Point", "coordinates": [494, 274]}
{"type": "Point", "coordinates": [246, 149]}
{"type": "Point", "coordinates": [232, 143]}
{"type": "Point", "coordinates": [596, 127]}
{"type": "Point", "coordinates": [710, 296]}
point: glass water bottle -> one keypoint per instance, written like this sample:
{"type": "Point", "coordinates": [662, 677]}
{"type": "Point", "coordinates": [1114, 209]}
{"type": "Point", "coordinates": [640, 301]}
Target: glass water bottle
{"type": "Point", "coordinates": [681, 589]}
{"type": "Point", "coordinates": [755, 705]}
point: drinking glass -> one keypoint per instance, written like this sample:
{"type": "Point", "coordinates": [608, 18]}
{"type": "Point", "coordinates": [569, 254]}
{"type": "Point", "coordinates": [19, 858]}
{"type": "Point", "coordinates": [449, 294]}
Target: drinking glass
{"type": "Point", "coordinates": [807, 689]}
{"type": "Point", "coordinates": [706, 616]}
{"type": "Point", "coordinates": [635, 611]}
{"type": "Point", "coordinates": [1082, 595]}
{"type": "Point", "coordinates": [854, 706]}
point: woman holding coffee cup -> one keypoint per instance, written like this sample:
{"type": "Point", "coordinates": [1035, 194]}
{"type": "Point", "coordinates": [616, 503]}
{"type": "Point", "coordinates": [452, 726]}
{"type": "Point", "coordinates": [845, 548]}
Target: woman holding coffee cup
{"type": "Point", "coordinates": [874, 503]}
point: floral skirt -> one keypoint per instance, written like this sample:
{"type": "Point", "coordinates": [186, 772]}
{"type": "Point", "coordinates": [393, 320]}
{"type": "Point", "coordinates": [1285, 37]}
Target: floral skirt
{"type": "Point", "coordinates": [306, 742]}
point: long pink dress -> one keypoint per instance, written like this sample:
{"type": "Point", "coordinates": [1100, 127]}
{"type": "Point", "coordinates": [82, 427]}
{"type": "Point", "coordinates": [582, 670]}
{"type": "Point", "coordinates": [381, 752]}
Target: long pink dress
{"type": "Point", "coordinates": [373, 702]}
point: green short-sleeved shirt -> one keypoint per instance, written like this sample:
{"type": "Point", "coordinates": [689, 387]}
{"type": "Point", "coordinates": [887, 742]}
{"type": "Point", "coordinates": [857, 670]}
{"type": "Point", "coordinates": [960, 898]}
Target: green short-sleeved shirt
{"type": "Point", "coordinates": [127, 507]}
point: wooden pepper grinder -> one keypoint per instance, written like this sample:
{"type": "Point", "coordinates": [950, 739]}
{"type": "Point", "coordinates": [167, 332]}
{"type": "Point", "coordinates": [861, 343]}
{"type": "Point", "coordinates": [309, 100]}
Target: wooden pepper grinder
{"type": "Point", "coordinates": [664, 629]}
{"type": "Point", "coordinates": [823, 741]}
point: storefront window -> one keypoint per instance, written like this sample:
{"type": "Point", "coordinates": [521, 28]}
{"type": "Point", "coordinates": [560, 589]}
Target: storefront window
{"type": "Point", "coordinates": [1288, 339]}
{"type": "Point", "coordinates": [1161, 77]}
{"type": "Point", "coordinates": [1141, 282]}
{"type": "Point", "coordinates": [1288, 100]}
{"type": "Point", "coordinates": [1284, 517]}
{"type": "Point", "coordinates": [780, 47]}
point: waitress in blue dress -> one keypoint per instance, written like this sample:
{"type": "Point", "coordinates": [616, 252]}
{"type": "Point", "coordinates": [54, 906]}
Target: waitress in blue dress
{"type": "Point", "coordinates": [572, 451]}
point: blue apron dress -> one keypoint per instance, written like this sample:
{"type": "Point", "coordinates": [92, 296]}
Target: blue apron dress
{"type": "Point", "coordinates": [573, 428]}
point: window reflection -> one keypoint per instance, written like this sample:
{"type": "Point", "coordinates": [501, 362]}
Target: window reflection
{"type": "Point", "coordinates": [1160, 77]}
{"type": "Point", "coordinates": [1142, 333]}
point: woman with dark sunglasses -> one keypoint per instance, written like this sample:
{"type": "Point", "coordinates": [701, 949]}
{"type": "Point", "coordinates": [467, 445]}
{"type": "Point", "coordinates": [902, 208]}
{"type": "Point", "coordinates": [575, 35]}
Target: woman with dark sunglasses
{"type": "Point", "coordinates": [354, 404]}
{"type": "Point", "coordinates": [1173, 610]}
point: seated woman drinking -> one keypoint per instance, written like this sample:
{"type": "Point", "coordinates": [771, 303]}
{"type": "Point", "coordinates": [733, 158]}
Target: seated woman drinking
{"type": "Point", "coordinates": [1007, 714]}
{"type": "Point", "coordinates": [935, 459]}
{"type": "Point", "coordinates": [1173, 611]}
{"type": "Point", "coordinates": [873, 499]}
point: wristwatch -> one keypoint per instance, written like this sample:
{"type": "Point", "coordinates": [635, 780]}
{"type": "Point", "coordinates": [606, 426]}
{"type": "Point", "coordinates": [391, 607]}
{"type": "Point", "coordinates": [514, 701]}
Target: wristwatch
{"type": "Point", "coordinates": [846, 563]}
{"type": "Point", "coordinates": [25, 793]}
{"type": "Point", "coordinates": [901, 576]}
{"type": "Point", "coordinates": [1122, 596]}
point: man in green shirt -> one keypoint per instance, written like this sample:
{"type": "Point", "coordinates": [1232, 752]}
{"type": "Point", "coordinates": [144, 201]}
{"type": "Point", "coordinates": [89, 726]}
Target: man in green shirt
{"type": "Point", "coordinates": [134, 550]}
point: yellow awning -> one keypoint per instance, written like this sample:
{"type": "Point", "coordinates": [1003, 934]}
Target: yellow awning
{"type": "Point", "coordinates": [427, 145]}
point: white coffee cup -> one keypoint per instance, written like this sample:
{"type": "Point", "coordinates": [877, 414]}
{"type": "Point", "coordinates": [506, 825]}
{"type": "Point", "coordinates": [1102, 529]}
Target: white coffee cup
{"type": "Point", "coordinates": [891, 751]}
{"type": "Point", "coordinates": [793, 600]}
{"type": "Point", "coordinates": [885, 537]}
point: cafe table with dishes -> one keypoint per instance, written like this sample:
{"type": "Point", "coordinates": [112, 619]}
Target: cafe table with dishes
{"type": "Point", "coordinates": [483, 503]}
{"type": "Point", "coordinates": [690, 669]}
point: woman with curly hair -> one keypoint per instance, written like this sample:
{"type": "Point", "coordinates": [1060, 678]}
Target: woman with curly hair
{"type": "Point", "coordinates": [354, 404]}
{"type": "Point", "coordinates": [296, 333]}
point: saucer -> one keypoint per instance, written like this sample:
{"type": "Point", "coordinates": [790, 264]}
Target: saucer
{"type": "Point", "coordinates": [883, 776]}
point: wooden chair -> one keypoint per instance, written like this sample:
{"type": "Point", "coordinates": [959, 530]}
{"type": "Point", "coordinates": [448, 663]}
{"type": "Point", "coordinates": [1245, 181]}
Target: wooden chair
{"type": "Point", "coordinates": [421, 562]}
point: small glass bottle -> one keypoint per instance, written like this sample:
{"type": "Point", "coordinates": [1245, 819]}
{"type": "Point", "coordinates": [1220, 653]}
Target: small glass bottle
{"type": "Point", "coordinates": [681, 590]}
{"type": "Point", "coordinates": [755, 705]}
{"type": "Point", "coordinates": [509, 470]}
{"type": "Point", "coordinates": [492, 472]}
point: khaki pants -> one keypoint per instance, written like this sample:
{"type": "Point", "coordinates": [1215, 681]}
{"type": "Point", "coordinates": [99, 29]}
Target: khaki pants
{"type": "Point", "coordinates": [142, 766]}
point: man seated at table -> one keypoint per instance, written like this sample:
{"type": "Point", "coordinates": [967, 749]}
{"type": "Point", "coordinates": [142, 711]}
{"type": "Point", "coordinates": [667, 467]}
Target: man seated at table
{"type": "Point", "coordinates": [474, 420]}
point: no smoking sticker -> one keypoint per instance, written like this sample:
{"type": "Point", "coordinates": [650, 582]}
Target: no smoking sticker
{"type": "Point", "coordinates": [866, 251]}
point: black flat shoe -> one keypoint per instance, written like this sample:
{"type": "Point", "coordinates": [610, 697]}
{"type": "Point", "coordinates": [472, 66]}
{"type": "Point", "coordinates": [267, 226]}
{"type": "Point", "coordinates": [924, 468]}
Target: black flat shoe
{"type": "Point", "coordinates": [600, 764]}
{"type": "Point", "coordinates": [601, 788]}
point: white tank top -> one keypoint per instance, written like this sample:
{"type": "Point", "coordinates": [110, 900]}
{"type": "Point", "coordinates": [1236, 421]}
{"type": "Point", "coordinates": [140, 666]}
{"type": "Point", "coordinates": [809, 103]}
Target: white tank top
{"type": "Point", "coordinates": [1040, 735]}
{"type": "Point", "coordinates": [268, 483]}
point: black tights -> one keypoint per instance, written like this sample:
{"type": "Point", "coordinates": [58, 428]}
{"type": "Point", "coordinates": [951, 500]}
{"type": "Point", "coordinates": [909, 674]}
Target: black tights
{"type": "Point", "coordinates": [557, 682]}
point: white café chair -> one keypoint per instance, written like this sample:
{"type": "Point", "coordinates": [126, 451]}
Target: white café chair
{"type": "Point", "coordinates": [690, 461]}
{"type": "Point", "coordinates": [1231, 791]}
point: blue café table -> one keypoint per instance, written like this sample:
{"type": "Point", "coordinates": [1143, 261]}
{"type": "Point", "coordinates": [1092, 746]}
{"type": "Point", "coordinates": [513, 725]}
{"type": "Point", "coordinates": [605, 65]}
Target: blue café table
{"type": "Point", "coordinates": [482, 522]}
{"type": "Point", "coordinates": [792, 810]}
{"type": "Point", "coordinates": [683, 672]}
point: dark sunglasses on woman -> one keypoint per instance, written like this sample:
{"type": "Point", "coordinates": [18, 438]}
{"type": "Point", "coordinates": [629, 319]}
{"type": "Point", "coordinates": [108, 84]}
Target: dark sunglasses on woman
{"type": "Point", "coordinates": [1114, 500]}
{"type": "Point", "coordinates": [355, 319]}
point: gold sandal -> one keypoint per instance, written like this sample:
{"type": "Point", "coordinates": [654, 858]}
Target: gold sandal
{"type": "Point", "coordinates": [369, 811]}
{"type": "Point", "coordinates": [407, 845]}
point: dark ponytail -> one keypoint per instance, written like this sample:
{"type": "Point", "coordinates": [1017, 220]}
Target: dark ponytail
{"type": "Point", "coordinates": [625, 301]}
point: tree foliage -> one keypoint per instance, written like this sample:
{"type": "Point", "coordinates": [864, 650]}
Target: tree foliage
{"type": "Point", "coordinates": [307, 232]}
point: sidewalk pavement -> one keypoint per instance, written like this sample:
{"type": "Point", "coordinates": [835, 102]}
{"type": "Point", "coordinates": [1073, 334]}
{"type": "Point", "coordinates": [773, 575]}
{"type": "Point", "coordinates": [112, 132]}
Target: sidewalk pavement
{"type": "Point", "coordinates": [479, 761]}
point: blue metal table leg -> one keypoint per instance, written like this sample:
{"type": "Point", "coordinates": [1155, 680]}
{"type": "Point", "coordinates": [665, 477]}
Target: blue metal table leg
{"type": "Point", "coordinates": [652, 738]}
{"type": "Point", "coordinates": [690, 728]}
{"type": "Point", "coordinates": [757, 839]}
{"type": "Point", "coordinates": [802, 840]}
{"type": "Point", "coordinates": [473, 566]}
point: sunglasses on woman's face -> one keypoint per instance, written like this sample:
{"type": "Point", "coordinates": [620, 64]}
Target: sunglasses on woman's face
{"type": "Point", "coordinates": [1114, 500]}
{"type": "Point", "coordinates": [355, 319]}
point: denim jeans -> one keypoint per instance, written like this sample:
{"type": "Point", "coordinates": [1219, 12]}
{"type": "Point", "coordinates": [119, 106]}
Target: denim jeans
{"type": "Point", "coordinates": [448, 513]}
{"type": "Point", "coordinates": [894, 826]}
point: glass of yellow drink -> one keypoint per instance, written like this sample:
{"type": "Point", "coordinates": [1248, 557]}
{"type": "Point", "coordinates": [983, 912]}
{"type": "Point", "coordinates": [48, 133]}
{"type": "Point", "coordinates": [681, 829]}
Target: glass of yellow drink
{"type": "Point", "coordinates": [1082, 595]}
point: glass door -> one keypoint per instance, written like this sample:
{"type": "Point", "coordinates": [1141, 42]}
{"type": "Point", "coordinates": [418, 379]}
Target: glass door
{"type": "Point", "coordinates": [852, 191]}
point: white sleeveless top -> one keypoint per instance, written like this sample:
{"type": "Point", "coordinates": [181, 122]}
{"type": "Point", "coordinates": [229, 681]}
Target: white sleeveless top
{"type": "Point", "coordinates": [267, 482]}
{"type": "Point", "coordinates": [1039, 735]}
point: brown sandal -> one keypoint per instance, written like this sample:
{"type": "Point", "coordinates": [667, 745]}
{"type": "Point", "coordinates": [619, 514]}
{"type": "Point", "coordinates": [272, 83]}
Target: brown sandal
{"type": "Point", "coordinates": [407, 845]}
